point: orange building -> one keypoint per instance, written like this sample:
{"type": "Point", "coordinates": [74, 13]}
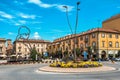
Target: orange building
{"type": "Point", "coordinates": [103, 43]}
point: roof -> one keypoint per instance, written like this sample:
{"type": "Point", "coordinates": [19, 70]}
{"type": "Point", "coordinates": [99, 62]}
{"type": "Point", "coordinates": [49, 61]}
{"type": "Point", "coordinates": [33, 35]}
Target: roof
{"type": "Point", "coordinates": [2, 39]}
{"type": "Point", "coordinates": [88, 32]}
{"type": "Point", "coordinates": [100, 30]}
{"type": "Point", "coordinates": [112, 18]}
{"type": "Point", "coordinates": [34, 41]}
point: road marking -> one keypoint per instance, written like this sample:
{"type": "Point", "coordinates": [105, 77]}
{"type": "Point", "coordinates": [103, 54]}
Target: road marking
{"type": "Point", "coordinates": [42, 72]}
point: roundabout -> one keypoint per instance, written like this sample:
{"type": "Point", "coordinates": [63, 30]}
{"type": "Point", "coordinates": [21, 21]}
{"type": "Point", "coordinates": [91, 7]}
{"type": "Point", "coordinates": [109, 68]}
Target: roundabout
{"type": "Point", "coordinates": [31, 72]}
{"type": "Point", "coordinates": [76, 70]}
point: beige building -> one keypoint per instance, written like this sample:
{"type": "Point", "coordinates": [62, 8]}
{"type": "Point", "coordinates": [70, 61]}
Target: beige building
{"type": "Point", "coordinates": [9, 48]}
{"type": "Point", "coordinates": [2, 48]}
{"type": "Point", "coordinates": [22, 48]}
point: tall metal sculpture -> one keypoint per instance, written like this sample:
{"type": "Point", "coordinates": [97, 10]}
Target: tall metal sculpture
{"type": "Point", "coordinates": [76, 24]}
{"type": "Point", "coordinates": [23, 35]}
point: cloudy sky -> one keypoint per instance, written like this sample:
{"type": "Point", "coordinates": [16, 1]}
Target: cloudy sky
{"type": "Point", "coordinates": [46, 19]}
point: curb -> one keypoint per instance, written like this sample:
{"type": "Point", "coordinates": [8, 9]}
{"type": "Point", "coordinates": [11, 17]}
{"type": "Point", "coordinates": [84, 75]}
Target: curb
{"type": "Point", "coordinates": [75, 70]}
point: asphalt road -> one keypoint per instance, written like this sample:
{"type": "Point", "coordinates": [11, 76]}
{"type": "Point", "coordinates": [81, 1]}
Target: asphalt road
{"type": "Point", "coordinates": [29, 72]}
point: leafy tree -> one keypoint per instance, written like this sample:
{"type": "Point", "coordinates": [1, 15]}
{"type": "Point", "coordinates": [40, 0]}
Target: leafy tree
{"type": "Point", "coordinates": [89, 50]}
{"type": "Point", "coordinates": [77, 51]}
{"type": "Point", "coordinates": [33, 54]}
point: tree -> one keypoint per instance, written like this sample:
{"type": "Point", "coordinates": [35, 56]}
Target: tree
{"type": "Point", "coordinates": [33, 54]}
{"type": "Point", "coordinates": [77, 51]}
{"type": "Point", "coordinates": [89, 50]}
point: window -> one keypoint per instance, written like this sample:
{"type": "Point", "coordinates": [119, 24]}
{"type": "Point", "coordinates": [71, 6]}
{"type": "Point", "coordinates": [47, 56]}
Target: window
{"type": "Point", "coordinates": [69, 47]}
{"type": "Point", "coordinates": [86, 45]}
{"type": "Point", "coordinates": [110, 44]}
{"type": "Point", "coordinates": [117, 44]}
{"type": "Point", "coordinates": [34, 45]}
{"type": "Point", "coordinates": [93, 35]}
{"type": "Point", "coordinates": [103, 43]}
{"type": "Point", "coordinates": [77, 41]}
{"type": "Point", "coordinates": [81, 38]}
{"type": "Point", "coordinates": [25, 49]}
{"type": "Point", "coordinates": [19, 47]}
{"type": "Point", "coordinates": [19, 50]}
{"type": "Point", "coordinates": [117, 36]}
{"type": "Point", "coordinates": [81, 45]}
{"type": "Point", "coordinates": [103, 35]}
{"type": "Point", "coordinates": [41, 45]}
{"type": "Point", "coordinates": [42, 50]}
{"type": "Point", "coordinates": [0, 49]}
{"type": "Point", "coordinates": [38, 45]}
{"type": "Point", "coordinates": [86, 36]}
{"type": "Point", "coordinates": [38, 50]}
{"type": "Point", "coordinates": [93, 44]}
{"type": "Point", "coordinates": [110, 35]}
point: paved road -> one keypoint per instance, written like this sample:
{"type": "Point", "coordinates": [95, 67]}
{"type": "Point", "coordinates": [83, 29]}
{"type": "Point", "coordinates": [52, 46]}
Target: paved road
{"type": "Point", "coordinates": [29, 72]}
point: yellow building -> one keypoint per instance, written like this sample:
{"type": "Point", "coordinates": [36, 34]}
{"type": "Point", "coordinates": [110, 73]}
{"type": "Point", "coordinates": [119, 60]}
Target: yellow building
{"type": "Point", "coordinates": [103, 43]}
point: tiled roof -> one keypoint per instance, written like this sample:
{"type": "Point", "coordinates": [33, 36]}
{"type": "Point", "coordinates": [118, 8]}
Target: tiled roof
{"type": "Point", "coordinates": [112, 18]}
{"type": "Point", "coordinates": [88, 32]}
{"type": "Point", "coordinates": [34, 41]}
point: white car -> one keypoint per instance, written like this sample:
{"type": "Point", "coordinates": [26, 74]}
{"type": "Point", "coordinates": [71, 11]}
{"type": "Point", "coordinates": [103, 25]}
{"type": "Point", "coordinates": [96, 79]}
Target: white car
{"type": "Point", "coordinates": [117, 59]}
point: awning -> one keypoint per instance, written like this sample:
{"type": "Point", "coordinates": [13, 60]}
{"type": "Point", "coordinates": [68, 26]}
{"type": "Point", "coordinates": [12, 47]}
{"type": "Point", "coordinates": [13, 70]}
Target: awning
{"type": "Point", "coordinates": [13, 55]}
{"type": "Point", "coordinates": [116, 52]}
{"type": "Point", "coordinates": [110, 52]}
{"type": "Point", "coordinates": [3, 56]}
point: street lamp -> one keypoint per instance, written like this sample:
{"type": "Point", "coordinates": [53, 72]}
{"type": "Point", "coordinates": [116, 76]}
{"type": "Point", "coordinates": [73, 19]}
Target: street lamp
{"type": "Point", "coordinates": [68, 18]}
{"type": "Point", "coordinates": [76, 25]}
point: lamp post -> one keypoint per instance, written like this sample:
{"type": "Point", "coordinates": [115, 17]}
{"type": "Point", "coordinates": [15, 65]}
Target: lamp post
{"type": "Point", "coordinates": [76, 25]}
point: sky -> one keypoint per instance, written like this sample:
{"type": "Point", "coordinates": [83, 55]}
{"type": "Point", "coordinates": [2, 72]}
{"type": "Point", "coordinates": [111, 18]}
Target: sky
{"type": "Point", "coordinates": [47, 20]}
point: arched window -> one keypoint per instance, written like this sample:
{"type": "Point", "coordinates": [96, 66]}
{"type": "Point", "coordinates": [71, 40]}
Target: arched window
{"type": "Point", "coordinates": [110, 43]}
{"type": "Point", "coordinates": [117, 44]}
{"type": "Point", "coordinates": [93, 43]}
{"type": "Point", "coordinates": [81, 45]}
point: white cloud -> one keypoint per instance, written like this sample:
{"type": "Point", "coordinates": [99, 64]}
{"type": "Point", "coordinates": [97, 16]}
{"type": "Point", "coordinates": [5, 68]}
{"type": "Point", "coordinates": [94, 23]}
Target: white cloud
{"type": "Point", "coordinates": [27, 16]}
{"type": "Point", "coordinates": [5, 15]}
{"type": "Point", "coordinates": [36, 22]}
{"type": "Point", "coordinates": [44, 5]}
{"type": "Point", "coordinates": [40, 3]}
{"type": "Point", "coordinates": [10, 33]}
{"type": "Point", "coordinates": [16, 2]}
{"type": "Point", "coordinates": [16, 24]}
{"type": "Point", "coordinates": [36, 35]}
{"type": "Point", "coordinates": [61, 8]}
{"type": "Point", "coordinates": [22, 21]}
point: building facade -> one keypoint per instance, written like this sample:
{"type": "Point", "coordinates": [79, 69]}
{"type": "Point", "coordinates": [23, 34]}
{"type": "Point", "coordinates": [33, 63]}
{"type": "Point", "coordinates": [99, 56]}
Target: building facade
{"type": "Point", "coordinates": [2, 48]}
{"type": "Point", "coordinates": [103, 43]}
{"type": "Point", "coordinates": [9, 48]}
{"type": "Point", "coordinates": [22, 48]}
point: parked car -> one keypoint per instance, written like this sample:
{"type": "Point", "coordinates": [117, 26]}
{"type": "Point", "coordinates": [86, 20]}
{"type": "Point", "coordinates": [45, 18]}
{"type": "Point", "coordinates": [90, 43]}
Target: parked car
{"type": "Point", "coordinates": [117, 59]}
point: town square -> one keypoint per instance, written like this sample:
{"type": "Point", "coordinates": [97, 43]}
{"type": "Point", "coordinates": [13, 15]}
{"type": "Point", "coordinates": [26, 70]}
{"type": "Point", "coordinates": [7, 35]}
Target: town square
{"type": "Point", "coordinates": [60, 40]}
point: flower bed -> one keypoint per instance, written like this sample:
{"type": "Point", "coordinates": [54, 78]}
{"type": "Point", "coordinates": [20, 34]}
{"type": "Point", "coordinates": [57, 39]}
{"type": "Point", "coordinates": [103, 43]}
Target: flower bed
{"type": "Point", "coordinates": [82, 64]}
